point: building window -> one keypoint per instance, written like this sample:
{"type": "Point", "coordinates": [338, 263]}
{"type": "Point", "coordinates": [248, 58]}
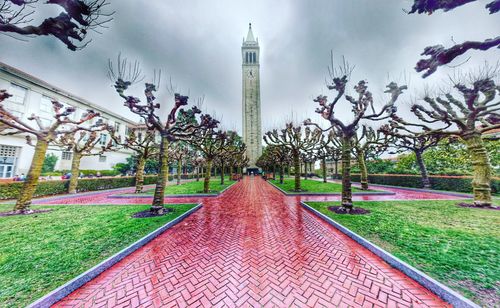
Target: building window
{"type": "Point", "coordinates": [66, 155]}
{"type": "Point", "coordinates": [117, 127]}
{"type": "Point", "coordinates": [254, 58]}
{"type": "Point", "coordinates": [102, 158]}
{"type": "Point", "coordinates": [102, 139]}
{"type": "Point", "coordinates": [18, 94]}
{"type": "Point", "coordinates": [46, 104]}
{"type": "Point", "coordinates": [246, 57]}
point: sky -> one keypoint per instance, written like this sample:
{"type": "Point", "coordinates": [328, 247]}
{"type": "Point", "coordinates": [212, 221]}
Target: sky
{"type": "Point", "coordinates": [197, 43]}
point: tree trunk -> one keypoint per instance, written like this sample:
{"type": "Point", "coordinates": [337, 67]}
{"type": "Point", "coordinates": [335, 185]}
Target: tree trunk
{"type": "Point", "coordinates": [24, 200]}
{"type": "Point", "coordinates": [346, 174]}
{"type": "Point", "coordinates": [482, 170]}
{"type": "Point", "coordinates": [336, 169]}
{"type": "Point", "coordinates": [274, 171]}
{"type": "Point", "coordinates": [139, 175]}
{"type": "Point", "coordinates": [157, 205]}
{"type": "Point", "coordinates": [179, 171]}
{"type": "Point", "coordinates": [296, 165]}
{"type": "Point", "coordinates": [305, 171]}
{"type": "Point", "coordinates": [222, 174]}
{"type": "Point", "coordinates": [324, 170]}
{"type": "Point", "coordinates": [206, 184]}
{"type": "Point", "coordinates": [282, 174]}
{"type": "Point", "coordinates": [75, 172]}
{"type": "Point", "coordinates": [423, 170]}
{"type": "Point", "coordinates": [363, 169]}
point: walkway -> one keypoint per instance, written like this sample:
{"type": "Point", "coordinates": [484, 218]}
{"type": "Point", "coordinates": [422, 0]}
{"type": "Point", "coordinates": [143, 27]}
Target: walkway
{"type": "Point", "coordinates": [251, 246]}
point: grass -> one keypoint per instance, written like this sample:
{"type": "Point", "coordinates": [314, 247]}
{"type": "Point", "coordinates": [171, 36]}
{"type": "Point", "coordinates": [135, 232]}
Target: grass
{"type": "Point", "coordinates": [312, 186]}
{"type": "Point", "coordinates": [40, 252]}
{"type": "Point", "coordinates": [194, 187]}
{"type": "Point", "coordinates": [457, 246]}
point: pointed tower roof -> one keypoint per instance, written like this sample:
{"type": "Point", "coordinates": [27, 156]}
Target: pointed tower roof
{"type": "Point", "coordinates": [250, 37]}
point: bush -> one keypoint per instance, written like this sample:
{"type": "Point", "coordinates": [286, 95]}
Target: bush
{"type": "Point", "coordinates": [49, 163]}
{"type": "Point", "coordinates": [450, 183]}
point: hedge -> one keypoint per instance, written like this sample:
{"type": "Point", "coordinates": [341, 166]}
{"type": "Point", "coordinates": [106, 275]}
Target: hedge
{"type": "Point", "coordinates": [46, 188]}
{"type": "Point", "coordinates": [450, 183]}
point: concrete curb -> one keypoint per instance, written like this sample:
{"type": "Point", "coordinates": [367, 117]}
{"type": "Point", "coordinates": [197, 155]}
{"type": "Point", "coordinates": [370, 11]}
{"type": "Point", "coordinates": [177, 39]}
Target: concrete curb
{"type": "Point", "coordinates": [64, 290]}
{"type": "Point", "coordinates": [129, 196]}
{"type": "Point", "coordinates": [368, 193]}
{"type": "Point", "coordinates": [426, 281]}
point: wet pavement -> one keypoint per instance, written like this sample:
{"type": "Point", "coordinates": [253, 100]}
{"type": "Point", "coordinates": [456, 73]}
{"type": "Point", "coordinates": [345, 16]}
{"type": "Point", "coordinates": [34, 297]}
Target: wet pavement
{"type": "Point", "coordinates": [251, 246]}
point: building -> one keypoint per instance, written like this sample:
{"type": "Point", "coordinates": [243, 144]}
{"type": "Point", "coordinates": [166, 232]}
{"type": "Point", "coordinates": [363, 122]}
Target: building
{"type": "Point", "coordinates": [31, 95]}
{"type": "Point", "coordinates": [252, 126]}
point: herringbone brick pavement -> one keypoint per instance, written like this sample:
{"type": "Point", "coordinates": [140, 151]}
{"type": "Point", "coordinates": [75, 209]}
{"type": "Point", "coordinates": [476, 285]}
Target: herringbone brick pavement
{"type": "Point", "coordinates": [252, 247]}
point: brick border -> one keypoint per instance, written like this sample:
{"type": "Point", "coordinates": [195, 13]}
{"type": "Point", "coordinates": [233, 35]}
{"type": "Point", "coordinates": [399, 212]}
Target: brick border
{"type": "Point", "coordinates": [368, 193]}
{"type": "Point", "coordinates": [70, 286]}
{"type": "Point", "coordinates": [127, 196]}
{"type": "Point", "coordinates": [426, 281]}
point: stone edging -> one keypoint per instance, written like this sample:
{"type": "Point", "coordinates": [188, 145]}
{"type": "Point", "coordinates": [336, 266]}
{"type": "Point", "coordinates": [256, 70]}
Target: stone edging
{"type": "Point", "coordinates": [367, 193]}
{"type": "Point", "coordinates": [128, 196]}
{"type": "Point", "coordinates": [426, 281]}
{"type": "Point", "coordinates": [70, 286]}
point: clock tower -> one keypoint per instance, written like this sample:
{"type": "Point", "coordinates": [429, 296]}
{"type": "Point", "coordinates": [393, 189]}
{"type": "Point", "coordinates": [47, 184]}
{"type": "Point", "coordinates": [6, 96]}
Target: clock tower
{"type": "Point", "coordinates": [252, 127]}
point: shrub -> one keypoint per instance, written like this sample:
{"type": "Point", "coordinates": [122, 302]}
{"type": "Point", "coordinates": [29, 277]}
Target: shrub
{"type": "Point", "coordinates": [49, 163]}
{"type": "Point", "coordinates": [450, 183]}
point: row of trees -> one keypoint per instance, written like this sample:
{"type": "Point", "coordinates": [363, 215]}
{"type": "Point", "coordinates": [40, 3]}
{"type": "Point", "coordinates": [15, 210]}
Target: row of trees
{"type": "Point", "coordinates": [467, 113]}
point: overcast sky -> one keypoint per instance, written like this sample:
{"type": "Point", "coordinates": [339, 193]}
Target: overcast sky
{"type": "Point", "coordinates": [198, 44]}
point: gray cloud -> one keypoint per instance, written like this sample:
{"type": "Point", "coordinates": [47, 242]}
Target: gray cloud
{"type": "Point", "coordinates": [198, 44]}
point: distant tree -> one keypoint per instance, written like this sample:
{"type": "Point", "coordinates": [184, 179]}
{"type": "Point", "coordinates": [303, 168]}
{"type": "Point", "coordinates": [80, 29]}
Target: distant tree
{"type": "Point", "coordinates": [71, 27]}
{"type": "Point", "coordinates": [296, 140]}
{"type": "Point", "coordinates": [363, 110]}
{"type": "Point", "coordinates": [124, 75]}
{"type": "Point", "coordinates": [416, 143]}
{"type": "Point", "coordinates": [143, 143]}
{"type": "Point", "coordinates": [468, 119]}
{"type": "Point", "coordinates": [81, 144]}
{"type": "Point", "coordinates": [438, 54]}
{"type": "Point", "coordinates": [232, 150]}
{"type": "Point", "coordinates": [49, 163]}
{"type": "Point", "coordinates": [44, 134]}
{"type": "Point", "coordinates": [197, 161]}
{"type": "Point", "coordinates": [370, 143]}
{"type": "Point", "coordinates": [179, 152]}
{"type": "Point", "coordinates": [210, 143]}
{"type": "Point", "coordinates": [282, 158]}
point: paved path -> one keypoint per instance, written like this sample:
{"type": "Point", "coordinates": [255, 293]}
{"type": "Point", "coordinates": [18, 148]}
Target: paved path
{"type": "Point", "coordinates": [252, 246]}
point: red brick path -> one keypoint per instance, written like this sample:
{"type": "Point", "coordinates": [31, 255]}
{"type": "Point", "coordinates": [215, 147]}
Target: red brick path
{"type": "Point", "coordinates": [252, 246]}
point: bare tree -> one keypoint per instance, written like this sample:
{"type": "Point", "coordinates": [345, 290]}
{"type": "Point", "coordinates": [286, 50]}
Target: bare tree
{"type": "Point", "coordinates": [170, 129]}
{"type": "Point", "coordinates": [232, 150]}
{"type": "Point", "coordinates": [438, 55]}
{"type": "Point", "coordinates": [44, 134]}
{"type": "Point", "coordinates": [71, 27]}
{"type": "Point", "coordinates": [363, 108]}
{"type": "Point", "coordinates": [179, 151]}
{"type": "Point", "coordinates": [82, 143]}
{"type": "Point", "coordinates": [468, 118]}
{"type": "Point", "coordinates": [329, 148]}
{"type": "Point", "coordinates": [417, 143]}
{"type": "Point", "coordinates": [297, 140]}
{"type": "Point", "coordinates": [143, 143]}
{"type": "Point", "coordinates": [372, 142]}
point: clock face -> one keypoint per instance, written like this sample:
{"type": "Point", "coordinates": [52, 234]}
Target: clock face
{"type": "Point", "coordinates": [251, 74]}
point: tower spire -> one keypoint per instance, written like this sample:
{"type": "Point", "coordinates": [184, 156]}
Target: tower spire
{"type": "Point", "coordinates": [250, 37]}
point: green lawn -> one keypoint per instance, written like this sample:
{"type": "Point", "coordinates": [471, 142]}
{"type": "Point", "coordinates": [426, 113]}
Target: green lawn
{"type": "Point", "coordinates": [457, 246]}
{"type": "Point", "coordinates": [312, 186]}
{"type": "Point", "coordinates": [194, 187]}
{"type": "Point", "coordinates": [40, 252]}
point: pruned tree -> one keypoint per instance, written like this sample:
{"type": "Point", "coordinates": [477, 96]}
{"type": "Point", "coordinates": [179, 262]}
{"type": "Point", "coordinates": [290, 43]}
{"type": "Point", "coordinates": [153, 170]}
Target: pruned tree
{"type": "Point", "coordinates": [296, 140]}
{"type": "Point", "coordinates": [197, 161]}
{"type": "Point", "coordinates": [438, 55]}
{"type": "Point", "coordinates": [281, 156]}
{"type": "Point", "coordinates": [71, 26]}
{"type": "Point", "coordinates": [233, 149]}
{"type": "Point", "coordinates": [329, 148]}
{"type": "Point", "coordinates": [415, 142]}
{"type": "Point", "coordinates": [369, 142]}
{"type": "Point", "coordinates": [363, 109]}
{"type": "Point", "coordinates": [468, 117]}
{"type": "Point", "coordinates": [143, 143]}
{"type": "Point", "coordinates": [45, 135]}
{"type": "Point", "coordinates": [80, 144]}
{"type": "Point", "coordinates": [308, 159]}
{"type": "Point", "coordinates": [210, 142]}
{"type": "Point", "coordinates": [170, 129]}
{"type": "Point", "coordinates": [179, 152]}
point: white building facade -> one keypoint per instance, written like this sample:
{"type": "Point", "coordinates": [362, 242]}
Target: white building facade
{"type": "Point", "coordinates": [251, 109]}
{"type": "Point", "coordinates": [31, 95]}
